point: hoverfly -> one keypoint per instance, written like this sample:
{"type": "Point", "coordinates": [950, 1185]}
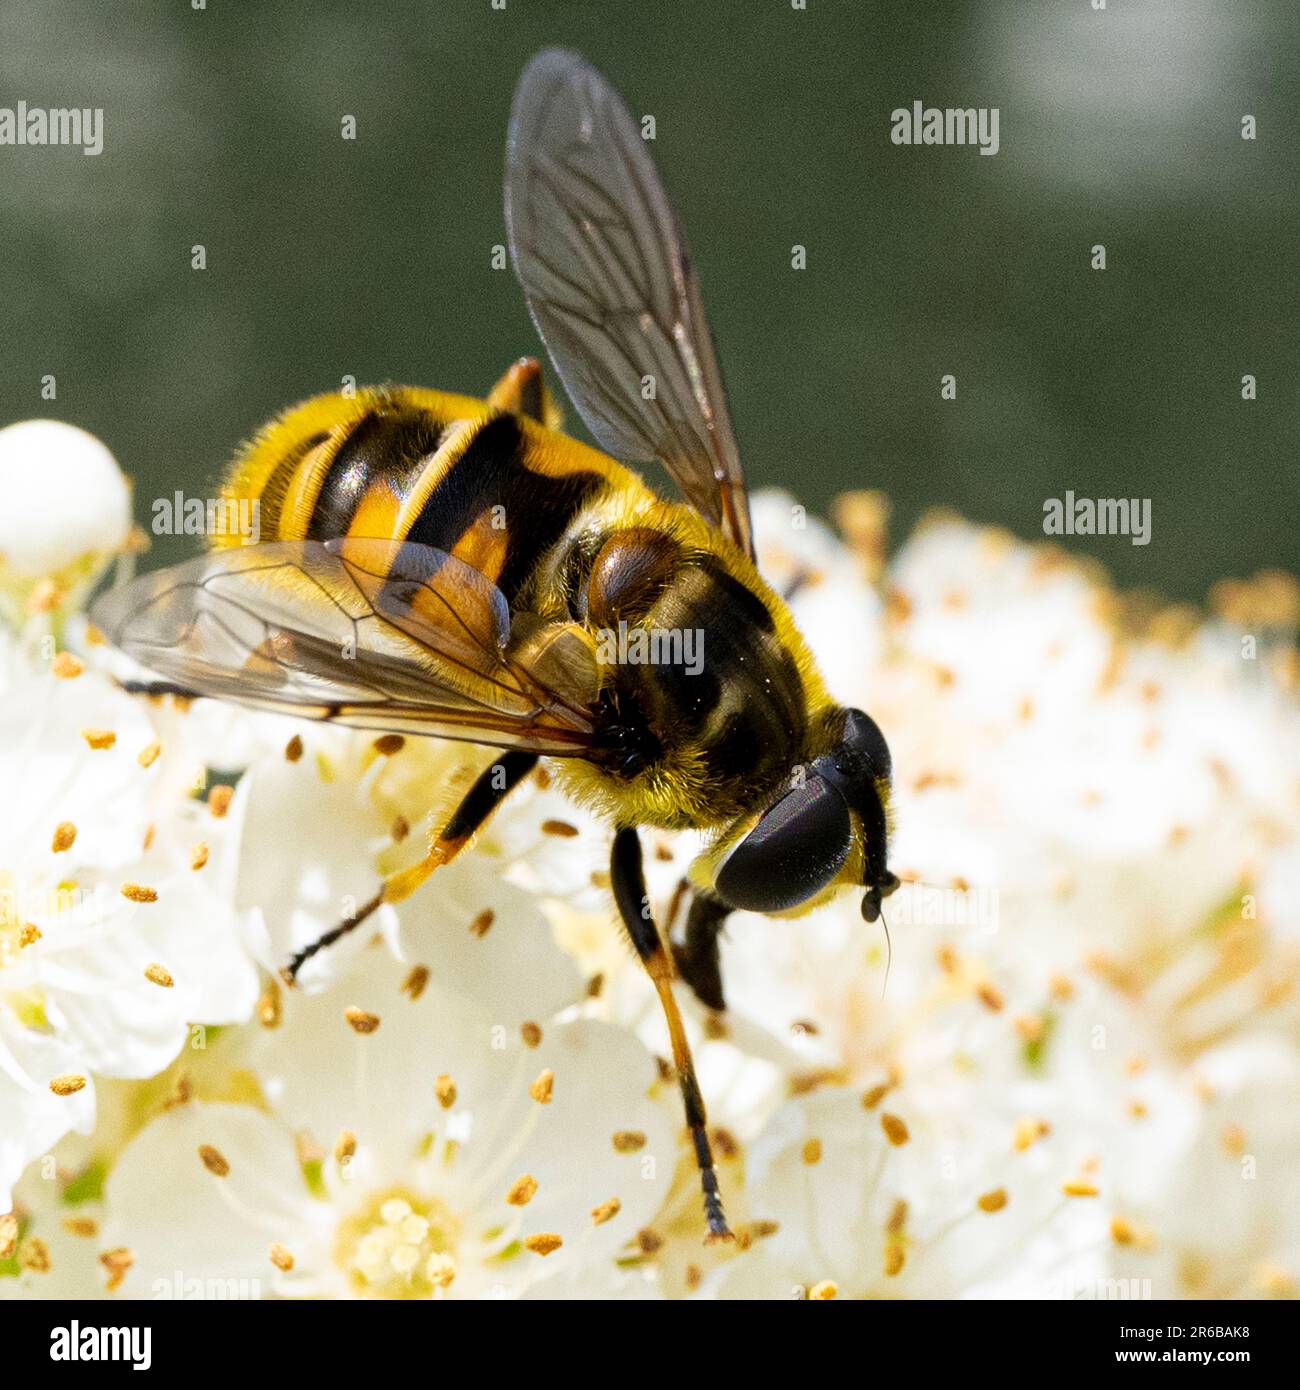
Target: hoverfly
{"type": "Point", "coordinates": [442, 565]}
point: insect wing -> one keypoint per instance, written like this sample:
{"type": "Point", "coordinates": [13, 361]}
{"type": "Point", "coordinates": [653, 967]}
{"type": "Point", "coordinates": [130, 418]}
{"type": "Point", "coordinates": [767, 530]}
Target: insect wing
{"type": "Point", "coordinates": [372, 633]}
{"type": "Point", "coordinates": [601, 257]}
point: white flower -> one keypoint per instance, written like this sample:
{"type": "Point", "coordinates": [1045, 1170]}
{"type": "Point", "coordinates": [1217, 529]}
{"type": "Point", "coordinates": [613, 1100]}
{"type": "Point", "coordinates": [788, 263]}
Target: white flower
{"type": "Point", "coordinates": [111, 944]}
{"type": "Point", "coordinates": [67, 510]}
{"type": "Point", "coordinates": [427, 1149]}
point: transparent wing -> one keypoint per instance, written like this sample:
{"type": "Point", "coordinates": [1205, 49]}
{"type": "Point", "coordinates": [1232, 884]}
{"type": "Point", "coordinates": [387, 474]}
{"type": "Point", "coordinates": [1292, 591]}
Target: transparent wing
{"type": "Point", "coordinates": [372, 633]}
{"type": "Point", "coordinates": [609, 283]}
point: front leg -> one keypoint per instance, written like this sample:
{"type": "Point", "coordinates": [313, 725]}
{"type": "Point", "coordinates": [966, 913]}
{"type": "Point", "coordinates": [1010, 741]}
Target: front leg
{"type": "Point", "coordinates": [628, 876]}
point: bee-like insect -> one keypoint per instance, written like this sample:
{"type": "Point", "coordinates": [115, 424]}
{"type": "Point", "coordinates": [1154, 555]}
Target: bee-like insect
{"type": "Point", "coordinates": [442, 565]}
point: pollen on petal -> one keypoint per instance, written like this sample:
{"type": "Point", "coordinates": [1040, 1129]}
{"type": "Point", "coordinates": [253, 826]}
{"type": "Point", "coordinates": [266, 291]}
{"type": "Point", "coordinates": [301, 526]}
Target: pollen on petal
{"type": "Point", "coordinates": [1078, 1188]}
{"type": "Point", "coordinates": [219, 799]}
{"type": "Point", "coordinates": [522, 1190]}
{"type": "Point", "coordinates": [293, 749]}
{"type": "Point", "coordinates": [116, 1264]}
{"type": "Point", "coordinates": [139, 893]}
{"type": "Point", "coordinates": [628, 1141]}
{"type": "Point", "coordinates": [543, 1243]}
{"type": "Point", "coordinates": [606, 1211]}
{"type": "Point", "coordinates": [812, 1151]}
{"type": "Point", "coordinates": [345, 1146]}
{"type": "Point", "coordinates": [65, 836]}
{"type": "Point", "coordinates": [66, 666]}
{"type": "Point", "coordinates": [542, 1088]}
{"type": "Point", "coordinates": [281, 1256]}
{"type": "Point", "coordinates": [413, 985]}
{"type": "Point", "coordinates": [531, 1033]}
{"type": "Point", "coordinates": [445, 1089]}
{"type": "Point", "coordinates": [99, 739]}
{"type": "Point", "coordinates": [388, 744]}
{"type": "Point", "coordinates": [81, 1226]}
{"type": "Point", "coordinates": [214, 1160]}
{"type": "Point", "coordinates": [68, 1085]}
{"type": "Point", "coordinates": [649, 1242]}
{"type": "Point", "coordinates": [994, 1200]}
{"type": "Point", "coordinates": [157, 975]}
{"type": "Point", "coordinates": [480, 925]}
{"type": "Point", "coordinates": [359, 1020]}
{"type": "Point", "coordinates": [896, 1130]}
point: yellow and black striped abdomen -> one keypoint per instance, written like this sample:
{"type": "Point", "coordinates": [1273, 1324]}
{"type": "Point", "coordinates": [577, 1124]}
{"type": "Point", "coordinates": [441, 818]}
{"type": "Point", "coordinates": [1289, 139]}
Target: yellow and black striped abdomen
{"type": "Point", "coordinates": [401, 463]}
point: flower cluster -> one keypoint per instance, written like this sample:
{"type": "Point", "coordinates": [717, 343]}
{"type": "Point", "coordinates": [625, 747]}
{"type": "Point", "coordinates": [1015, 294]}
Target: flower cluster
{"type": "Point", "coordinates": [1067, 1071]}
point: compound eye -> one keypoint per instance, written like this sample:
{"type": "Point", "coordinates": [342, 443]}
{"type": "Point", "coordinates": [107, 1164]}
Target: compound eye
{"type": "Point", "coordinates": [796, 849]}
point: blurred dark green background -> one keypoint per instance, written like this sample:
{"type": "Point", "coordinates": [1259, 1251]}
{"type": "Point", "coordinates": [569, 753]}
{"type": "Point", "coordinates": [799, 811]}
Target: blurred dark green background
{"type": "Point", "coordinates": [372, 258]}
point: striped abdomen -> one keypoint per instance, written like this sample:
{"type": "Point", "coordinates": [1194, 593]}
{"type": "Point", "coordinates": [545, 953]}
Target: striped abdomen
{"type": "Point", "coordinates": [402, 463]}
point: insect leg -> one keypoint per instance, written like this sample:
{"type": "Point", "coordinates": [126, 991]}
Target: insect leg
{"type": "Point", "coordinates": [520, 390]}
{"type": "Point", "coordinates": [490, 789]}
{"type": "Point", "coordinates": [697, 956]}
{"type": "Point", "coordinates": [628, 879]}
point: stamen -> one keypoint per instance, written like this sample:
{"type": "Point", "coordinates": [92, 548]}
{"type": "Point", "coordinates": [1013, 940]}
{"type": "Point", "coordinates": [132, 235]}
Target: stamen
{"type": "Point", "coordinates": [214, 1160]}
{"type": "Point", "coordinates": [66, 666]}
{"type": "Point", "coordinates": [542, 1088]}
{"type": "Point", "coordinates": [629, 1141]}
{"type": "Point", "coordinates": [388, 744]}
{"type": "Point", "coordinates": [873, 1097]}
{"type": "Point", "coordinates": [156, 975]}
{"type": "Point", "coordinates": [413, 985]}
{"type": "Point", "coordinates": [99, 739]}
{"type": "Point", "coordinates": [994, 1200]}
{"type": "Point", "coordinates": [531, 1034]}
{"type": "Point", "coordinates": [560, 828]}
{"type": "Point", "coordinates": [116, 1263]}
{"type": "Point", "coordinates": [198, 856]}
{"type": "Point", "coordinates": [522, 1191]}
{"type": "Point", "coordinates": [81, 1226]}
{"type": "Point", "coordinates": [8, 1234]}
{"type": "Point", "coordinates": [219, 800]}
{"type": "Point", "coordinates": [445, 1089]}
{"type": "Point", "coordinates": [281, 1256]}
{"type": "Point", "coordinates": [1078, 1188]}
{"type": "Point", "coordinates": [606, 1211]}
{"type": "Point", "coordinates": [34, 1255]}
{"type": "Point", "coordinates": [270, 1006]}
{"type": "Point", "coordinates": [401, 828]}
{"type": "Point", "coordinates": [139, 893]}
{"type": "Point", "coordinates": [345, 1146]}
{"type": "Point", "coordinates": [1028, 1132]}
{"type": "Point", "coordinates": [812, 1151]}
{"type": "Point", "coordinates": [650, 1242]}
{"type": "Point", "coordinates": [359, 1020]}
{"type": "Point", "coordinates": [823, 1291]}
{"type": "Point", "coordinates": [148, 755]}
{"type": "Point", "coordinates": [543, 1243]}
{"type": "Point", "coordinates": [67, 1085]}
{"type": "Point", "coordinates": [479, 926]}
{"type": "Point", "coordinates": [65, 836]}
{"type": "Point", "coordinates": [293, 749]}
{"type": "Point", "coordinates": [896, 1130]}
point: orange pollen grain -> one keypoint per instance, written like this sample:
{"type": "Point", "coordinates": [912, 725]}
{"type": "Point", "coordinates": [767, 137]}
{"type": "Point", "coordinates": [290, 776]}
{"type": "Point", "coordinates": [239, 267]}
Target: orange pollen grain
{"type": "Point", "coordinates": [895, 1129]}
{"type": "Point", "coordinates": [214, 1160]}
{"type": "Point", "coordinates": [606, 1211]}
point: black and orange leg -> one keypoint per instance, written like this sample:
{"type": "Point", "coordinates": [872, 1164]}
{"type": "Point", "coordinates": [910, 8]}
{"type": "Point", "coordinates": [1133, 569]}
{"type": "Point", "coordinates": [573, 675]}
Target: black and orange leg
{"type": "Point", "coordinates": [520, 390]}
{"type": "Point", "coordinates": [628, 877]}
{"type": "Point", "coordinates": [490, 789]}
{"type": "Point", "coordinates": [697, 956]}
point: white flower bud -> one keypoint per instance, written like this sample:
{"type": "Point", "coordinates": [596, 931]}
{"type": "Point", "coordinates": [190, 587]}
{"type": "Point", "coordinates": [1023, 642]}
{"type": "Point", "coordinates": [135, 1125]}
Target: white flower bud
{"type": "Point", "coordinates": [65, 498]}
